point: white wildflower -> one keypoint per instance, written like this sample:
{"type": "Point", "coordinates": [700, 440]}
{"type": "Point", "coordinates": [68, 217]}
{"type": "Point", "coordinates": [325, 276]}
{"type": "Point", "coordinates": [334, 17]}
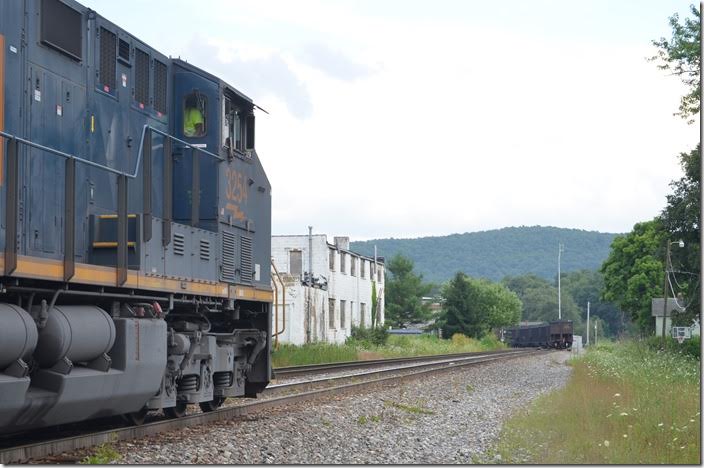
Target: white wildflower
{"type": "Point", "coordinates": [606, 443]}
{"type": "Point", "coordinates": [617, 394]}
{"type": "Point", "coordinates": [623, 414]}
{"type": "Point", "coordinates": [625, 436]}
{"type": "Point", "coordinates": [661, 424]}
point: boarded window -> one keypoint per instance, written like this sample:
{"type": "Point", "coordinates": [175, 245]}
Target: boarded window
{"type": "Point", "coordinates": [342, 313]}
{"type": "Point", "coordinates": [332, 260]}
{"type": "Point", "coordinates": [342, 262]}
{"type": "Point", "coordinates": [141, 85]}
{"type": "Point", "coordinates": [352, 316]}
{"type": "Point", "coordinates": [159, 87]}
{"type": "Point", "coordinates": [61, 28]}
{"type": "Point", "coordinates": [353, 266]}
{"type": "Point", "coordinates": [331, 313]}
{"type": "Point", "coordinates": [362, 267]}
{"type": "Point", "coordinates": [295, 258]}
{"type": "Point", "coordinates": [379, 276]}
{"type": "Point", "coordinates": [362, 314]}
{"type": "Point", "coordinates": [108, 50]}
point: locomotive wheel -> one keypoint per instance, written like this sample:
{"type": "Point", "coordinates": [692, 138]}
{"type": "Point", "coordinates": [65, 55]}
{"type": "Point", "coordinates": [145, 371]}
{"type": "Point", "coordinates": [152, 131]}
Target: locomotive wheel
{"type": "Point", "coordinates": [177, 411]}
{"type": "Point", "coordinates": [215, 403]}
{"type": "Point", "coordinates": [136, 418]}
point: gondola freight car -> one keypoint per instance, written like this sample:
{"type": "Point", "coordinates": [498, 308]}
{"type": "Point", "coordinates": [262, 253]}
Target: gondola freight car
{"type": "Point", "coordinates": [135, 226]}
{"type": "Point", "coordinates": [557, 334]}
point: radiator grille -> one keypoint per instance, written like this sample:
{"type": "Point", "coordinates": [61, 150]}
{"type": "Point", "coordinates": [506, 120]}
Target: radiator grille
{"type": "Point", "coordinates": [108, 46]}
{"type": "Point", "coordinates": [159, 87]}
{"type": "Point", "coordinates": [246, 259]}
{"type": "Point", "coordinates": [227, 269]}
{"type": "Point", "coordinates": [205, 250]}
{"type": "Point", "coordinates": [179, 243]}
{"type": "Point", "coordinates": [141, 85]}
{"type": "Point", "coordinates": [123, 50]}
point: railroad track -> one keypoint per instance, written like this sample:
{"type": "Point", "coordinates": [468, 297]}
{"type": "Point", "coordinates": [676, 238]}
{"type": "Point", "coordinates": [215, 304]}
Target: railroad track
{"type": "Point", "coordinates": [294, 393]}
{"type": "Point", "coordinates": [336, 366]}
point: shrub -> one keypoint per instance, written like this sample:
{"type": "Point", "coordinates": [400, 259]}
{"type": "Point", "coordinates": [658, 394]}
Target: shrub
{"type": "Point", "coordinates": [690, 347]}
{"type": "Point", "coordinates": [367, 337]}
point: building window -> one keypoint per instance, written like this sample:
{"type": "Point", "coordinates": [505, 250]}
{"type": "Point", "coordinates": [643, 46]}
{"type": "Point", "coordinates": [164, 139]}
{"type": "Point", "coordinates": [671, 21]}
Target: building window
{"type": "Point", "coordinates": [342, 262]}
{"type": "Point", "coordinates": [194, 115]}
{"type": "Point", "coordinates": [353, 266]}
{"type": "Point", "coordinates": [362, 263]}
{"type": "Point", "coordinates": [295, 259]}
{"type": "Point", "coordinates": [379, 276]}
{"type": "Point", "coordinates": [352, 317]}
{"type": "Point", "coordinates": [362, 313]}
{"type": "Point", "coordinates": [331, 314]}
{"type": "Point", "coordinates": [342, 313]}
{"type": "Point", "coordinates": [332, 260]}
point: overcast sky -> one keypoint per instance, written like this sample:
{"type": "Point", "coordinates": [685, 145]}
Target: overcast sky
{"type": "Point", "coordinates": [406, 119]}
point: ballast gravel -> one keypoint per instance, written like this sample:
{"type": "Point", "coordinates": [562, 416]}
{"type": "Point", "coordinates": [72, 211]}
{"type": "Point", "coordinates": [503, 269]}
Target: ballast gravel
{"type": "Point", "coordinates": [451, 418]}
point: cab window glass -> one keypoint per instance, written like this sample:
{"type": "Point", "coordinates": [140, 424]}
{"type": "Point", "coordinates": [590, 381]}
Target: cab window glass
{"type": "Point", "coordinates": [194, 115]}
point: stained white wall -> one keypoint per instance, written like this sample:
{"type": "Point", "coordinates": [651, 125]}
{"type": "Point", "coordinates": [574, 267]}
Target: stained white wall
{"type": "Point", "coordinates": [302, 326]}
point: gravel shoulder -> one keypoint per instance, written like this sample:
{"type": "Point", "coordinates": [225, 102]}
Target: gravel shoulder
{"type": "Point", "coordinates": [451, 418]}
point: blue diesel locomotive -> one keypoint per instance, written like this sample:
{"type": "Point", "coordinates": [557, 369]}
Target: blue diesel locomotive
{"type": "Point", "coordinates": [135, 226]}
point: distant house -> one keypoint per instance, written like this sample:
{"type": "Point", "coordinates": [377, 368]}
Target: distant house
{"type": "Point", "coordinates": [324, 305]}
{"type": "Point", "coordinates": [657, 312]}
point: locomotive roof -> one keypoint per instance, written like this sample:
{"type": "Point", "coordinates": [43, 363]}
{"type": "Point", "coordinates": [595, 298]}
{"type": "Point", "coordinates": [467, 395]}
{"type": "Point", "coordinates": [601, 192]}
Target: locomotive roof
{"type": "Point", "coordinates": [188, 66]}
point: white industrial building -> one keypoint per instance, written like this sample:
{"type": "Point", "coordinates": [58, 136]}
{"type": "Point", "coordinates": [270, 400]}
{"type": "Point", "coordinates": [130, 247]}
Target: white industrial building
{"type": "Point", "coordinates": [324, 306]}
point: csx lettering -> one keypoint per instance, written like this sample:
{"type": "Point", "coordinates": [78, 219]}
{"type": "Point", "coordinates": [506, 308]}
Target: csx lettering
{"type": "Point", "coordinates": [236, 189]}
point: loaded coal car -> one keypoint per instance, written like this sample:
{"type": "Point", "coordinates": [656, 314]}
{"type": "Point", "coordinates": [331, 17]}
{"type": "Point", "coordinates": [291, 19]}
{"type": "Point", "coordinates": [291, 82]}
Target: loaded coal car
{"type": "Point", "coordinates": [135, 226]}
{"type": "Point", "coordinates": [557, 334]}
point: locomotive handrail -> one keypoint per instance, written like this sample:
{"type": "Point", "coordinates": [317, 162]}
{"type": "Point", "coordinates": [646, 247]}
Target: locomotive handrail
{"type": "Point", "coordinates": [132, 175]}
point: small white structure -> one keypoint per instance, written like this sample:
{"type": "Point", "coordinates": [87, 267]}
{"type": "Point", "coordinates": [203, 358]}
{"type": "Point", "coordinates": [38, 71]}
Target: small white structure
{"type": "Point", "coordinates": [577, 347]}
{"type": "Point", "coordinates": [656, 310]}
{"type": "Point", "coordinates": [325, 305]}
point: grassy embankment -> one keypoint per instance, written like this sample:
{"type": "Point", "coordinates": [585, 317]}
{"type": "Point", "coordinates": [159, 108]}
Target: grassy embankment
{"type": "Point", "coordinates": [625, 403]}
{"type": "Point", "coordinates": [395, 346]}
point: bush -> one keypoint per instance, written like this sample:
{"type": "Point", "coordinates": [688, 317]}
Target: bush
{"type": "Point", "coordinates": [690, 347]}
{"type": "Point", "coordinates": [369, 336]}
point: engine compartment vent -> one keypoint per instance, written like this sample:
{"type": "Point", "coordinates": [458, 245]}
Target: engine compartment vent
{"type": "Point", "coordinates": [179, 243]}
{"type": "Point", "coordinates": [227, 267]}
{"type": "Point", "coordinates": [205, 250]}
{"type": "Point", "coordinates": [246, 259]}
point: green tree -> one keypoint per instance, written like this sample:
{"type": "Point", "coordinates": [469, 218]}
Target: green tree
{"type": "Point", "coordinates": [633, 272]}
{"type": "Point", "coordinates": [587, 286]}
{"type": "Point", "coordinates": [404, 293]}
{"type": "Point", "coordinates": [681, 218]}
{"type": "Point", "coordinates": [475, 306]}
{"type": "Point", "coordinates": [539, 299]}
{"type": "Point", "coordinates": [680, 55]}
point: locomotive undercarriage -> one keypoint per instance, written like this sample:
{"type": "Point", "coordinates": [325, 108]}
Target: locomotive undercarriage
{"type": "Point", "coordinates": [72, 354]}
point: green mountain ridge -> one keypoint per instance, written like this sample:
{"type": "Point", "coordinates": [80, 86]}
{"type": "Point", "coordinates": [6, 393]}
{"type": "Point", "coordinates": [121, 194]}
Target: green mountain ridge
{"type": "Point", "coordinates": [497, 253]}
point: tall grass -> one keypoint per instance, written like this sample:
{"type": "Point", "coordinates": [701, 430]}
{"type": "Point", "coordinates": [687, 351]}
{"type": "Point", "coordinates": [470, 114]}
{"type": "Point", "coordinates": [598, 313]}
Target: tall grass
{"type": "Point", "coordinates": [624, 404]}
{"type": "Point", "coordinates": [395, 346]}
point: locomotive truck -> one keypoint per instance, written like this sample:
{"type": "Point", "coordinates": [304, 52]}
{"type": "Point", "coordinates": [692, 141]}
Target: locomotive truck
{"type": "Point", "coordinates": [135, 220]}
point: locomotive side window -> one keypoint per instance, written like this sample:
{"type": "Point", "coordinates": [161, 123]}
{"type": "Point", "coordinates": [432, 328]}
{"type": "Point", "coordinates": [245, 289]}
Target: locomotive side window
{"type": "Point", "coordinates": [108, 54]}
{"type": "Point", "coordinates": [61, 28]}
{"type": "Point", "coordinates": [194, 115]}
{"type": "Point", "coordinates": [249, 141]}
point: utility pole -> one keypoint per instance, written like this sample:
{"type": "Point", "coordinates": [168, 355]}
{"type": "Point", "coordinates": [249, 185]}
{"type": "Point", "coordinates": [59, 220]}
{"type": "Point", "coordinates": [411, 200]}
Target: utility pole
{"type": "Point", "coordinates": [587, 323]}
{"type": "Point", "coordinates": [560, 249]}
{"type": "Point", "coordinates": [596, 334]}
{"type": "Point", "coordinates": [664, 294]}
{"type": "Point", "coordinates": [310, 285]}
